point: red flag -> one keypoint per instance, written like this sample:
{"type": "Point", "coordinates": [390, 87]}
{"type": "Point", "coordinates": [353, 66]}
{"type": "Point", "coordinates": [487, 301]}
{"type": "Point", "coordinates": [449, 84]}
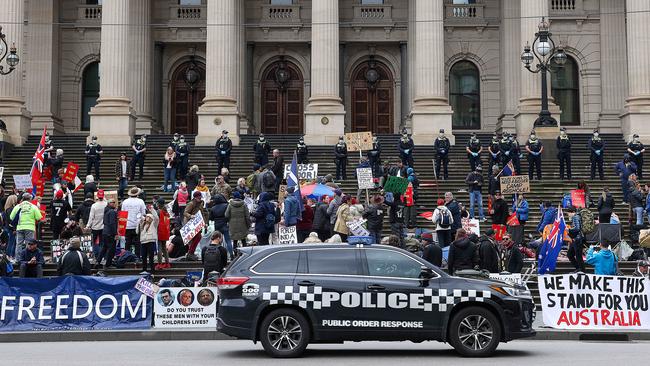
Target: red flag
{"type": "Point", "coordinates": [499, 231]}
{"type": "Point", "coordinates": [513, 220]}
{"type": "Point", "coordinates": [427, 215]}
{"type": "Point", "coordinates": [38, 160]}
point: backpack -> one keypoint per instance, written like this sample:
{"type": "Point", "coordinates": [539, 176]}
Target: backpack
{"type": "Point", "coordinates": [250, 181]}
{"type": "Point", "coordinates": [125, 258]}
{"type": "Point", "coordinates": [444, 220]}
{"type": "Point", "coordinates": [588, 222]}
{"type": "Point", "coordinates": [212, 257]}
{"type": "Point", "coordinates": [267, 179]}
{"type": "Point", "coordinates": [269, 221]}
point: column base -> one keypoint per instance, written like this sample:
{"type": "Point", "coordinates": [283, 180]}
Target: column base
{"type": "Point", "coordinates": [635, 121]}
{"type": "Point", "coordinates": [426, 123]}
{"type": "Point", "coordinates": [610, 122]}
{"type": "Point", "coordinates": [506, 123]}
{"type": "Point", "coordinates": [324, 124]}
{"type": "Point", "coordinates": [53, 124]}
{"type": "Point", "coordinates": [143, 125]}
{"type": "Point", "coordinates": [18, 121]}
{"type": "Point", "coordinates": [213, 120]}
{"type": "Point", "coordinates": [525, 118]}
{"type": "Point", "coordinates": [113, 125]}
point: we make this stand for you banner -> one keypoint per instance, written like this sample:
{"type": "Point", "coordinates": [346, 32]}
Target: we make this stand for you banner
{"type": "Point", "coordinates": [586, 301]}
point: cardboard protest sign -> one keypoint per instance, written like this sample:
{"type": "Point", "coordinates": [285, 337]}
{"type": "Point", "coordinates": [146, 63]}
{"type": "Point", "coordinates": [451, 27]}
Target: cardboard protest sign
{"type": "Point", "coordinates": [122, 217]}
{"type": "Point", "coordinates": [282, 193]}
{"type": "Point", "coordinates": [515, 184]}
{"type": "Point", "coordinates": [471, 226]}
{"type": "Point", "coordinates": [364, 178]}
{"type": "Point", "coordinates": [192, 227]}
{"type": "Point", "coordinates": [578, 198]}
{"type": "Point", "coordinates": [60, 246]}
{"type": "Point", "coordinates": [396, 185]}
{"type": "Point", "coordinates": [147, 288]}
{"type": "Point", "coordinates": [287, 235]}
{"type": "Point", "coordinates": [356, 141]}
{"type": "Point", "coordinates": [357, 228]}
{"type": "Point", "coordinates": [40, 188]}
{"type": "Point", "coordinates": [586, 301]}
{"type": "Point", "coordinates": [305, 171]}
{"type": "Point", "coordinates": [70, 172]}
{"type": "Point", "coordinates": [23, 181]}
{"type": "Point", "coordinates": [191, 307]}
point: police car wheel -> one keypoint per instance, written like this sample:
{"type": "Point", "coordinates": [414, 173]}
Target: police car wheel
{"type": "Point", "coordinates": [475, 332]}
{"type": "Point", "coordinates": [284, 333]}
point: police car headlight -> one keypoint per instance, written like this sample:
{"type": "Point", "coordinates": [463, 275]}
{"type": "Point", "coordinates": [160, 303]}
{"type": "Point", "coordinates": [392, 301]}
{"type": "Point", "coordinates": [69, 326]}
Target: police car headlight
{"type": "Point", "coordinates": [512, 291]}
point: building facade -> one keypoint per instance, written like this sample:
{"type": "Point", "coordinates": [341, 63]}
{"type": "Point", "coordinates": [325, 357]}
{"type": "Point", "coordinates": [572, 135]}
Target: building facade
{"type": "Point", "coordinates": [115, 68]}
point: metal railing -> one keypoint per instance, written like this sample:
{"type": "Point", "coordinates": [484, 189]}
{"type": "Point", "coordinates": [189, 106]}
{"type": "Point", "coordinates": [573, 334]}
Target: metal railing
{"type": "Point", "coordinates": [464, 11]}
{"type": "Point", "coordinates": [187, 13]}
{"type": "Point", "coordinates": [565, 7]}
{"type": "Point", "coordinates": [281, 14]}
{"type": "Point", "coordinates": [90, 13]}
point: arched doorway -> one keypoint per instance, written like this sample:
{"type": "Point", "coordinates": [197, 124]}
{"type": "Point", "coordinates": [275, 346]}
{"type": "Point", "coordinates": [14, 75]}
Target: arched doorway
{"type": "Point", "coordinates": [188, 91]}
{"type": "Point", "coordinates": [282, 99]}
{"type": "Point", "coordinates": [89, 93]}
{"type": "Point", "coordinates": [372, 98]}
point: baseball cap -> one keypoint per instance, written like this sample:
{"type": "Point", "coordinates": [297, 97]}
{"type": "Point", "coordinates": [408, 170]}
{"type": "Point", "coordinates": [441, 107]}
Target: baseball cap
{"type": "Point", "coordinates": [100, 194]}
{"type": "Point", "coordinates": [59, 194]}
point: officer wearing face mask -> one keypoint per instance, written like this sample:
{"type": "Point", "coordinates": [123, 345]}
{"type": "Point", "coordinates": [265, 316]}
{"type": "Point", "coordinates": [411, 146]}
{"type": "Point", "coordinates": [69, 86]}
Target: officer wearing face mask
{"type": "Point", "coordinates": [183, 155]}
{"type": "Point", "coordinates": [474, 150]}
{"type": "Point", "coordinates": [302, 151]}
{"type": "Point", "coordinates": [139, 148]}
{"type": "Point", "coordinates": [174, 143]}
{"type": "Point", "coordinates": [406, 147]}
{"type": "Point", "coordinates": [516, 154]}
{"type": "Point", "coordinates": [596, 146]}
{"type": "Point", "coordinates": [374, 157]}
{"type": "Point", "coordinates": [563, 144]}
{"type": "Point", "coordinates": [341, 158]}
{"type": "Point", "coordinates": [534, 148]}
{"type": "Point", "coordinates": [222, 148]}
{"type": "Point", "coordinates": [636, 149]}
{"type": "Point", "coordinates": [262, 148]}
{"type": "Point", "coordinates": [506, 148]}
{"type": "Point", "coordinates": [495, 151]}
{"type": "Point", "coordinates": [94, 153]}
{"type": "Point", "coordinates": [442, 146]}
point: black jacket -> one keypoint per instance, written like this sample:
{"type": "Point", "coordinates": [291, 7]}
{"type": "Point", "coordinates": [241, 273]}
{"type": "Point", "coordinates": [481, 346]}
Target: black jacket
{"type": "Point", "coordinates": [83, 211]}
{"type": "Point", "coordinates": [474, 177]}
{"type": "Point", "coordinates": [455, 213]}
{"type": "Point", "coordinates": [110, 222]}
{"type": "Point", "coordinates": [222, 146]}
{"type": "Point", "coordinates": [433, 254]}
{"type": "Point", "coordinates": [321, 218]}
{"type": "Point", "coordinates": [493, 185]}
{"type": "Point", "coordinates": [262, 148]}
{"type": "Point", "coordinates": [74, 262]}
{"type": "Point", "coordinates": [278, 166]}
{"type": "Point", "coordinates": [462, 255]}
{"type": "Point", "coordinates": [488, 255]}
{"type": "Point", "coordinates": [218, 212]}
{"type": "Point", "coordinates": [90, 187]}
{"type": "Point", "coordinates": [500, 215]}
{"type": "Point", "coordinates": [192, 181]}
{"type": "Point", "coordinates": [375, 216]}
{"type": "Point", "coordinates": [636, 199]}
{"type": "Point", "coordinates": [606, 206]}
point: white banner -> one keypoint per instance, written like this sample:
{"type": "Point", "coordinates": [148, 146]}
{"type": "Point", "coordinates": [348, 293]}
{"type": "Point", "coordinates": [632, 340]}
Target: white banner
{"type": "Point", "coordinates": [287, 235]}
{"type": "Point", "coordinates": [305, 171]}
{"type": "Point", "coordinates": [192, 307]}
{"type": "Point", "coordinates": [471, 226]}
{"type": "Point", "coordinates": [364, 178]}
{"type": "Point", "coordinates": [192, 227]}
{"type": "Point", "coordinates": [586, 301]}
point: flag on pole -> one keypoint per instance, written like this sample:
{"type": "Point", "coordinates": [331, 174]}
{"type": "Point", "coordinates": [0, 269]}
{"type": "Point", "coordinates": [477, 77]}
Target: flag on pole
{"type": "Point", "coordinates": [508, 170]}
{"type": "Point", "coordinates": [77, 184]}
{"type": "Point", "coordinates": [552, 245]}
{"type": "Point", "coordinates": [292, 181]}
{"type": "Point", "coordinates": [38, 161]}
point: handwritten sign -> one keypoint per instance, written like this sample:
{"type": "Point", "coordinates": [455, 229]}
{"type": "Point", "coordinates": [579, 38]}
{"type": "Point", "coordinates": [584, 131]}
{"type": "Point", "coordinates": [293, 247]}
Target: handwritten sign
{"type": "Point", "coordinates": [511, 278]}
{"type": "Point", "coordinates": [147, 288]}
{"type": "Point", "coordinates": [471, 226]}
{"type": "Point", "coordinates": [282, 193]}
{"type": "Point", "coordinates": [305, 171]}
{"type": "Point", "coordinates": [70, 172]}
{"type": "Point", "coordinates": [287, 235]}
{"type": "Point", "coordinates": [364, 178]}
{"type": "Point", "coordinates": [110, 194]}
{"type": "Point", "coordinates": [23, 181]}
{"type": "Point", "coordinates": [60, 246]}
{"type": "Point", "coordinates": [357, 228]}
{"type": "Point", "coordinates": [515, 184]}
{"type": "Point", "coordinates": [358, 141]}
{"type": "Point", "coordinates": [578, 198]}
{"type": "Point", "coordinates": [192, 227]}
{"type": "Point", "coordinates": [396, 185]}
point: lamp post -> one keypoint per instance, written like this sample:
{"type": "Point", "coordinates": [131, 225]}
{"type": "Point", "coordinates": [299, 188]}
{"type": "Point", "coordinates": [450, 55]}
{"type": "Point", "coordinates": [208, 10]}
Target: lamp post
{"type": "Point", "coordinates": [547, 54]}
{"type": "Point", "coordinates": [11, 59]}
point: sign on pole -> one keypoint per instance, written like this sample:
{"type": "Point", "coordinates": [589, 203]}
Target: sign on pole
{"type": "Point", "coordinates": [305, 171]}
{"type": "Point", "coordinates": [287, 235]}
{"type": "Point", "coordinates": [70, 172]}
{"type": "Point", "coordinates": [358, 141]}
{"type": "Point", "coordinates": [365, 179]}
{"type": "Point", "coordinates": [396, 185]}
{"type": "Point", "coordinates": [23, 181]}
{"type": "Point", "coordinates": [515, 184]}
{"type": "Point", "coordinates": [190, 307]}
{"type": "Point", "coordinates": [192, 227]}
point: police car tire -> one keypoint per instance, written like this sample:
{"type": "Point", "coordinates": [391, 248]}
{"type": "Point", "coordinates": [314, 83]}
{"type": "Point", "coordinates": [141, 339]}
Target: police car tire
{"type": "Point", "coordinates": [269, 338]}
{"type": "Point", "coordinates": [458, 331]}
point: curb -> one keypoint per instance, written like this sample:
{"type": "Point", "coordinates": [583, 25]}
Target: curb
{"type": "Point", "coordinates": [607, 336]}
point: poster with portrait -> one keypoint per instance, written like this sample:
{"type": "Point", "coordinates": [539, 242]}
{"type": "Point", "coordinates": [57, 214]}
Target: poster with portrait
{"type": "Point", "coordinates": [186, 307]}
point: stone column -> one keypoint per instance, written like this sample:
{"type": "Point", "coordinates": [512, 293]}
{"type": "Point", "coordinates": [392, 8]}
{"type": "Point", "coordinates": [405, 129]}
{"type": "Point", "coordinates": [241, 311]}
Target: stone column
{"type": "Point", "coordinates": [112, 120]}
{"type": "Point", "coordinates": [141, 65]}
{"type": "Point", "coordinates": [431, 111]}
{"type": "Point", "coordinates": [220, 110]}
{"type": "Point", "coordinates": [325, 114]}
{"type": "Point", "coordinates": [613, 64]}
{"type": "Point", "coordinates": [403, 87]}
{"type": "Point", "coordinates": [636, 116]}
{"type": "Point", "coordinates": [510, 38]}
{"type": "Point", "coordinates": [159, 50]}
{"type": "Point", "coordinates": [12, 102]}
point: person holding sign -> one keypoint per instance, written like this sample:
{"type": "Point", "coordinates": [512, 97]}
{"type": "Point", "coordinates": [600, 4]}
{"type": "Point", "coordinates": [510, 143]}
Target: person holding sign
{"type": "Point", "coordinates": [534, 147]}
{"type": "Point", "coordinates": [406, 147]}
{"type": "Point", "coordinates": [302, 151]}
{"type": "Point", "coordinates": [442, 146]}
{"type": "Point", "coordinates": [341, 159]}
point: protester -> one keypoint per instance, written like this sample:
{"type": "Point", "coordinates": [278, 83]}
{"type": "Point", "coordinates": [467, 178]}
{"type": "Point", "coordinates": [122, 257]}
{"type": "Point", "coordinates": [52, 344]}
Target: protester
{"type": "Point", "coordinates": [474, 181]}
{"type": "Point", "coordinates": [181, 196]}
{"type": "Point", "coordinates": [499, 210]}
{"type": "Point", "coordinates": [432, 253]}
{"type": "Point", "coordinates": [312, 238]}
{"type": "Point", "coordinates": [521, 209]}
{"type": "Point", "coordinates": [396, 219]}
{"type": "Point", "coordinates": [169, 164]}
{"type": "Point", "coordinates": [374, 214]}
{"type": "Point", "coordinates": [306, 221]}
{"type": "Point", "coordinates": [204, 190]}
{"type": "Point", "coordinates": [193, 178]}
{"type": "Point", "coordinates": [242, 188]}
{"type": "Point", "coordinates": [214, 257]}
{"type": "Point", "coordinates": [342, 218]}
{"type": "Point", "coordinates": [321, 222]}
{"type": "Point", "coordinates": [193, 208]}
{"type": "Point", "coordinates": [238, 220]}
{"type": "Point", "coordinates": [549, 213]}
{"type": "Point", "coordinates": [454, 208]}
{"type": "Point", "coordinates": [443, 219]}
{"type": "Point", "coordinates": [575, 233]}
{"type": "Point", "coordinates": [267, 180]}
{"type": "Point", "coordinates": [28, 215]}
{"type": "Point", "coordinates": [217, 215]}
{"type": "Point", "coordinates": [511, 258]}
{"type": "Point", "coordinates": [136, 210]}
{"type": "Point", "coordinates": [625, 169]}
{"type": "Point", "coordinates": [96, 221]}
{"type": "Point", "coordinates": [121, 171]}
{"type": "Point", "coordinates": [163, 234]}
{"type": "Point", "coordinates": [221, 187]}
{"type": "Point", "coordinates": [603, 260]}
{"type": "Point", "coordinates": [71, 229]}
{"type": "Point", "coordinates": [176, 247]}
{"type": "Point", "coordinates": [462, 253]}
{"type": "Point", "coordinates": [637, 202]}
{"type": "Point", "coordinates": [291, 208]}
{"type": "Point", "coordinates": [31, 260]}
{"type": "Point", "coordinates": [605, 206]}
{"type": "Point", "coordinates": [333, 207]}
{"type": "Point", "coordinates": [147, 229]}
{"type": "Point", "coordinates": [90, 187]}
{"type": "Point", "coordinates": [488, 255]}
{"type": "Point", "coordinates": [59, 211]}
{"type": "Point", "coordinates": [74, 261]}
{"type": "Point", "coordinates": [82, 214]}
{"type": "Point", "coordinates": [109, 234]}
{"type": "Point", "coordinates": [265, 218]}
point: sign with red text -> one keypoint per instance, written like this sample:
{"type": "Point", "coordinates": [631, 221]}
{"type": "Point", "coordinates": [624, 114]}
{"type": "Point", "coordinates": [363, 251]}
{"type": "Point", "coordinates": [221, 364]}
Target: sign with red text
{"type": "Point", "coordinates": [122, 217]}
{"type": "Point", "coordinates": [586, 301]}
{"type": "Point", "coordinates": [70, 172]}
{"type": "Point", "coordinates": [578, 198]}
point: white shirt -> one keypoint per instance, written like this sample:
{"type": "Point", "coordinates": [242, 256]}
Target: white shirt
{"type": "Point", "coordinates": [136, 209]}
{"type": "Point", "coordinates": [123, 169]}
{"type": "Point", "coordinates": [436, 215]}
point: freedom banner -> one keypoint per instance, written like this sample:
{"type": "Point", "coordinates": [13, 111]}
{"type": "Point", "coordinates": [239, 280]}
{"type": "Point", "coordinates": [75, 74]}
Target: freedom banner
{"type": "Point", "coordinates": [192, 227]}
{"type": "Point", "coordinates": [287, 235]}
{"type": "Point", "coordinates": [73, 303]}
{"type": "Point", "coordinates": [305, 171]}
{"type": "Point", "coordinates": [586, 301]}
{"type": "Point", "coordinates": [191, 307]}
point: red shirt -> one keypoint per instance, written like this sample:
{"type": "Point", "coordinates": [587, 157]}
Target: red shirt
{"type": "Point", "coordinates": [163, 225]}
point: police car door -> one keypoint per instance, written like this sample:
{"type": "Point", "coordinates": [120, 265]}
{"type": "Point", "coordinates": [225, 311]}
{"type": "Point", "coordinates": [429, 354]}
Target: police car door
{"type": "Point", "coordinates": [396, 296]}
{"type": "Point", "coordinates": [333, 276]}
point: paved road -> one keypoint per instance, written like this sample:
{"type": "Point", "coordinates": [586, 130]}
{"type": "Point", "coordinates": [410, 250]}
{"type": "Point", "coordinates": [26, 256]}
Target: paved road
{"type": "Point", "coordinates": [161, 353]}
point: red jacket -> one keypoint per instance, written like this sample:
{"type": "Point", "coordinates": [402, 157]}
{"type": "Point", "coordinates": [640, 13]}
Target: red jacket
{"type": "Point", "coordinates": [163, 225]}
{"type": "Point", "coordinates": [307, 219]}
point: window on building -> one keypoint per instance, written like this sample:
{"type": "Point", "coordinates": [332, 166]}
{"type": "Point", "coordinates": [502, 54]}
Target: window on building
{"type": "Point", "coordinates": [281, 2]}
{"type": "Point", "coordinates": [372, 2]}
{"type": "Point", "coordinates": [465, 96]}
{"type": "Point", "coordinates": [89, 93]}
{"type": "Point", "coordinates": [94, 2]}
{"type": "Point", "coordinates": [566, 92]}
{"type": "Point", "coordinates": [189, 2]}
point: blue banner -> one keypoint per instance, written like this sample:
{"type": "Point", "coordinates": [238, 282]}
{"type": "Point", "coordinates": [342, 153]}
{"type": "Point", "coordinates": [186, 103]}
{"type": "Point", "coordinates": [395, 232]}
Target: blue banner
{"type": "Point", "coordinates": [73, 303]}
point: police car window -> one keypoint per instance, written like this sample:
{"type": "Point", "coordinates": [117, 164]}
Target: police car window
{"type": "Point", "coordinates": [282, 262]}
{"type": "Point", "coordinates": [335, 262]}
{"type": "Point", "coordinates": [386, 263]}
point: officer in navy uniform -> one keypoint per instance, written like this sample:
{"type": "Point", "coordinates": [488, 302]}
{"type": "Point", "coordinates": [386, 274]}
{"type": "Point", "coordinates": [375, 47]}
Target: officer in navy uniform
{"type": "Point", "coordinates": [474, 150]}
{"type": "Point", "coordinates": [534, 148]}
{"type": "Point", "coordinates": [596, 146]}
{"type": "Point", "coordinates": [563, 144]}
{"type": "Point", "coordinates": [495, 151]}
{"type": "Point", "coordinates": [183, 155]}
{"type": "Point", "coordinates": [636, 149]}
{"type": "Point", "coordinates": [406, 147]}
{"type": "Point", "coordinates": [442, 146]}
{"type": "Point", "coordinates": [506, 148]}
{"type": "Point", "coordinates": [94, 153]}
{"type": "Point", "coordinates": [174, 143]}
{"type": "Point", "coordinates": [222, 148]}
{"type": "Point", "coordinates": [302, 151]}
{"type": "Point", "coordinates": [516, 154]}
{"type": "Point", "coordinates": [139, 148]}
{"type": "Point", "coordinates": [262, 148]}
{"type": "Point", "coordinates": [374, 157]}
{"type": "Point", "coordinates": [341, 158]}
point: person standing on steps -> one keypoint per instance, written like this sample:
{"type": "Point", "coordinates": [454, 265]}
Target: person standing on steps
{"type": "Point", "coordinates": [302, 151]}
{"type": "Point", "coordinates": [139, 148]}
{"type": "Point", "coordinates": [625, 169]}
{"type": "Point", "coordinates": [406, 147]}
{"type": "Point", "coordinates": [474, 181]}
{"type": "Point", "coordinates": [516, 161]}
{"type": "Point", "coordinates": [442, 146]}
{"type": "Point", "coordinates": [278, 168]}
{"type": "Point", "coordinates": [222, 148]}
{"type": "Point", "coordinates": [174, 142]}
{"type": "Point", "coordinates": [563, 144]}
{"type": "Point", "coordinates": [183, 156]}
{"type": "Point", "coordinates": [636, 149]}
{"type": "Point", "coordinates": [94, 153]}
{"type": "Point", "coordinates": [495, 151]}
{"type": "Point", "coordinates": [596, 146]}
{"type": "Point", "coordinates": [341, 159]}
{"type": "Point", "coordinates": [121, 174]}
{"type": "Point", "coordinates": [534, 148]}
{"type": "Point", "coordinates": [374, 157]}
{"type": "Point", "coordinates": [262, 148]}
{"type": "Point", "coordinates": [474, 150]}
{"type": "Point", "coordinates": [506, 148]}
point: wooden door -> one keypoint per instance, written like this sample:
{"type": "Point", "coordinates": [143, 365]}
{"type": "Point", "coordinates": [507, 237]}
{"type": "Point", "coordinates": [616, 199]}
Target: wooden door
{"type": "Point", "coordinates": [372, 99]}
{"type": "Point", "coordinates": [282, 99]}
{"type": "Point", "coordinates": [188, 91]}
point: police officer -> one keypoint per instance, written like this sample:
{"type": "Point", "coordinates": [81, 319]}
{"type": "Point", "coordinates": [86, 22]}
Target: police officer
{"type": "Point", "coordinates": [474, 150]}
{"type": "Point", "coordinates": [222, 149]}
{"type": "Point", "coordinates": [495, 151]}
{"type": "Point", "coordinates": [506, 149]}
{"type": "Point", "coordinates": [94, 153]}
{"type": "Point", "coordinates": [534, 147]}
{"type": "Point", "coordinates": [374, 157]}
{"type": "Point", "coordinates": [636, 149]}
{"type": "Point", "coordinates": [442, 145]}
{"type": "Point", "coordinates": [183, 155]}
{"type": "Point", "coordinates": [516, 153]}
{"type": "Point", "coordinates": [563, 144]}
{"type": "Point", "coordinates": [302, 151]}
{"type": "Point", "coordinates": [406, 149]}
{"type": "Point", "coordinates": [596, 146]}
{"type": "Point", "coordinates": [262, 148]}
{"type": "Point", "coordinates": [341, 158]}
{"type": "Point", "coordinates": [174, 143]}
{"type": "Point", "coordinates": [139, 148]}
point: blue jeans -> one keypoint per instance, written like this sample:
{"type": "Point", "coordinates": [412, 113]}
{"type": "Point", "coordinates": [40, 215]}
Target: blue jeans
{"type": "Point", "coordinates": [122, 186]}
{"type": "Point", "coordinates": [476, 197]}
{"type": "Point", "coordinates": [376, 237]}
{"type": "Point", "coordinates": [225, 231]}
{"type": "Point", "coordinates": [639, 215]}
{"type": "Point", "coordinates": [11, 242]}
{"type": "Point", "coordinates": [170, 177]}
{"type": "Point", "coordinates": [21, 240]}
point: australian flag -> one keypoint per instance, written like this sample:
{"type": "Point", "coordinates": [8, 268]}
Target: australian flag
{"type": "Point", "coordinates": [508, 170]}
{"type": "Point", "coordinates": [38, 161]}
{"type": "Point", "coordinates": [552, 245]}
{"type": "Point", "coordinates": [292, 181]}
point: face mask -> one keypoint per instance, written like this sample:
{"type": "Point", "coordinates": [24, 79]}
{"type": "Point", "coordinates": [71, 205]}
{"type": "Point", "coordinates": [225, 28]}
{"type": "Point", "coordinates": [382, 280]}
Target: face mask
{"type": "Point", "coordinates": [261, 138]}
{"type": "Point", "coordinates": [636, 140]}
{"type": "Point", "coordinates": [182, 140]}
{"type": "Point", "coordinates": [562, 133]}
{"type": "Point", "coordinates": [532, 137]}
{"type": "Point", "coordinates": [596, 134]}
{"type": "Point", "coordinates": [175, 138]}
{"type": "Point", "coordinates": [442, 135]}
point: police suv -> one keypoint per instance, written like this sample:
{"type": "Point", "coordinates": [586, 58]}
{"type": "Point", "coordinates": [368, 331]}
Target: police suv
{"type": "Point", "coordinates": [288, 296]}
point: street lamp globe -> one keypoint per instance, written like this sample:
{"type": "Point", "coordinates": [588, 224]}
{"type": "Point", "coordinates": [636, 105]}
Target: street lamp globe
{"type": "Point", "coordinates": [560, 57]}
{"type": "Point", "coordinates": [12, 58]}
{"type": "Point", "coordinates": [527, 56]}
{"type": "Point", "coordinates": [543, 48]}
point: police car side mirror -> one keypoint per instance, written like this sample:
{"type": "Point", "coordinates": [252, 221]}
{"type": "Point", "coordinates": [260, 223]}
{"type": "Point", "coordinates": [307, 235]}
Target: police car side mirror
{"type": "Point", "coordinates": [426, 272]}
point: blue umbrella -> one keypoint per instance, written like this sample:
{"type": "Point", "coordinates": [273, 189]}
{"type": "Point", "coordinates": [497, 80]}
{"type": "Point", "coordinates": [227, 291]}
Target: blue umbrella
{"type": "Point", "coordinates": [316, 191]}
